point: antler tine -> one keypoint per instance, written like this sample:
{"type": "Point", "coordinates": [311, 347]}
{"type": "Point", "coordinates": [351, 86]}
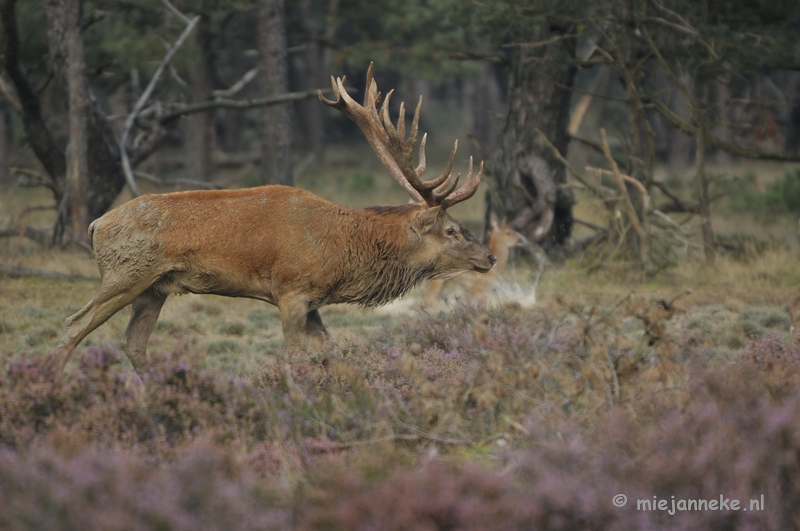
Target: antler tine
{"type": "Point", "coordinates": [326, 101]}
{"type": "Point", "coordinates": [422, 161]}
{"type": "Point", "coordinates": [401, 121]}
{"type": "Point", "coordinates": [415, 124]}
{"type": "Point", "coordinates": [395, 151]}
{"type": "Point", "coordinates": [448, 170]}
{"type": "Point", "coordinates": [446, 188]}
{"type": "Point", "coordinates": [371, 94]}
{"type": "Point", "coordinates": [466, 191]}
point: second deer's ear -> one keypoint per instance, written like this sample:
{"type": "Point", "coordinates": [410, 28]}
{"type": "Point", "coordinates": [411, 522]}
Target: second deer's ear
{"type": "Point", "coordinates": [494, 222]}
{"type": "Point", "coordinates": [441, 212]}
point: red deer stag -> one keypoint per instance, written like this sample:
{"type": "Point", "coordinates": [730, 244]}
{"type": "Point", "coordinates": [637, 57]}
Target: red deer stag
{"type": "Point", "coordinates": [282, 245]}
{"type": "Point", "coordinates": [502, 237]}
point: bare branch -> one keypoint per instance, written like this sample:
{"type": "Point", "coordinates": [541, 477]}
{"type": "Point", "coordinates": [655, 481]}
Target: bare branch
{"type": "Point", "coordinates": [35, 208]}
{"type": "Point", "coordinates": [236, 87]}
{"type": "Point", "coordinates": [711, 139]}
{"type": "Point", "coordinates": [538, 44]}
{"type": "Point", "coordinates": [180, 110]}
{"type": "Point", "coordinates": [126, 165]}
{"type": "Point", "coordinates": [684, 29]}
{"type": "Point", "coordinates": [468, 56]}
{"type": "Point", "coordinates": [24, 231]}
{"type": "Point", "coordinates": [632, 181]}
{"type": "Point", "coordinates": [596, 189]}
{"type": "Point", "coordinates": [175, 12]}
{"type": "Point", "coordinates": [626, 200]}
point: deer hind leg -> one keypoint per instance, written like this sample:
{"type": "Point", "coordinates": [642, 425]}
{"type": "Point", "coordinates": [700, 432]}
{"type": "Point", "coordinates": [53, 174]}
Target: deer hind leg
{"type": "Point", "coordinates": [145, 310]}
{"type": "Point", "coordinates": [314, 325]}
{"type": "Point", "coordinates": [301, 326]}
{"type": "Point", "coordinates": [108, 300]}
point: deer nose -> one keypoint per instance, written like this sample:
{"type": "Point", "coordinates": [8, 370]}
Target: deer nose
{"type": "Point", "coordinates": [492, 259]}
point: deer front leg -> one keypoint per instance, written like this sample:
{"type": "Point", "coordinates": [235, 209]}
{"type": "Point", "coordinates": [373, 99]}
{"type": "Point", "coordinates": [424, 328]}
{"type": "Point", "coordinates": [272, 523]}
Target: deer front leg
{"type": "Point", "coordinates": [301, 327]}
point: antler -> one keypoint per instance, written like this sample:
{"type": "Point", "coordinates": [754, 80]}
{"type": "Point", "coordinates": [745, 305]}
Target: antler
{"type": "Point", "coordinates": [395, 151]}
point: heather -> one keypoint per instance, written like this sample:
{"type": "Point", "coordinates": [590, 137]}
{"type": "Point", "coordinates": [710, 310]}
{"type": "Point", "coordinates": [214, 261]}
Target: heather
{"type": "Point", "coordinates": [479, 417]}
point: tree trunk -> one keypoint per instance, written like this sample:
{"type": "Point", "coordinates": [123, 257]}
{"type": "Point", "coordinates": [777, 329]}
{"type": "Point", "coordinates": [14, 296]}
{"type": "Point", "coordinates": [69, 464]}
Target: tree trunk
{"type": "Point", "coordinates": [485, 108]}
{"type": "Point", "coordinates": [104, 169]}
{"type": "Point", "coordinates": [680, 144]}
{"type": "Point", "coordinates": [793, 133]}
{"type": "Point", "coordinates": [5, 144]}
{"type": "Point", "coordinates": [276, 127]}
{"type": "Point", "coordinates": [72, 212]}
{"type": "Point", "coordinates": [703, 199]}
{"type": "Point", "coordinates": [316, 57]}
{"type": "Point", "coordinates": [201, 134]}
{"type": "Point", "coordinates": [105, 175]}
{"type": "Point", "coordinates": [525, 173]}
{"type": "Point", "coordinates": [38, 135]}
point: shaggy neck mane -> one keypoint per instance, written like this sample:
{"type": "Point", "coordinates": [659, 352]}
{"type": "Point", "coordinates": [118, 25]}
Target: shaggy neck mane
{"type": "Point", "coordinates": [381, 248]}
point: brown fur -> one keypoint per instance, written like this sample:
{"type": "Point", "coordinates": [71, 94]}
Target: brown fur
{"type": "Point", "coordinates": [500, 241]}
{"type": "Point", "coordinates": [279, 244]}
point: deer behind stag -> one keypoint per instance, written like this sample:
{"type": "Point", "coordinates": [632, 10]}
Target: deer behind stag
{"type": "Point", "coordinates": [500, 240]}
{"type": "Point", "coordinates": [282, 245]}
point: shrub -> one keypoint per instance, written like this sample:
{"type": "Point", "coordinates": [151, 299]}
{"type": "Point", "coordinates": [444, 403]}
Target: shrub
{"type": "Point", "coordinates": [203, 489]}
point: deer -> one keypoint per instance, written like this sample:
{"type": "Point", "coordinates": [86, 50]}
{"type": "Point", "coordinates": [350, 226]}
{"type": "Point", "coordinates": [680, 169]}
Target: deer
{"type": "Point", "coordinates": [282, 245]}
{"type": "Point", "coordinates": [501, 238]}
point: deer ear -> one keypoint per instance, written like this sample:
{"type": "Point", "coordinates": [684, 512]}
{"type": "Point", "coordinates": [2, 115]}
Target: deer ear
{"type": "Point", "coordinates": [427, 218]}
{"type": "Point", "coordinates": [494, 222]}
{"type": "Point", "coordinates": [441, 212]}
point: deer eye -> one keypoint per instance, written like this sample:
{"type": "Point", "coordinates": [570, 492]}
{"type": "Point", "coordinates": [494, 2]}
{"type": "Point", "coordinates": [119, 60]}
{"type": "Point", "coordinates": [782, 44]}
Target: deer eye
{"type": "Point", "coordinates": [450, 232]}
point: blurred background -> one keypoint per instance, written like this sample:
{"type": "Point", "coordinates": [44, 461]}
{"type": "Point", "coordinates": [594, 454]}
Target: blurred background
{"type": "Point", "coordinates": [625, 132]}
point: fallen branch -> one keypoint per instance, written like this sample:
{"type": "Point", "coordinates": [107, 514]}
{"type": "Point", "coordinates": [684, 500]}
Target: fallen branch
{"type": "Point", "coordinates": [26, 272]}
{"type": "Point", "coordinates": [36, 235]}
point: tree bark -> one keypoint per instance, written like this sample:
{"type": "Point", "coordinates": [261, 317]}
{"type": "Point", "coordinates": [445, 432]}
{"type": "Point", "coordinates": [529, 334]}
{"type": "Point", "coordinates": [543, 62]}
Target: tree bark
{"type": "Point", "coordinates": [486, 107]}
{"type": "Point", "coordinates": [316, 57]}
{"type": "Point", "coordinates": [5, 144]}
{"type": "Point", "coordinates": [106, 178]}
{"type": "Point", "coordinates": [525, 173]}
{"type": "Point", "coordinates": [72, 212]}
{"type": "Point", "coordinates": [276, 126]}
{"type": "Point", "coordinates": [704, 201]}
{"type": "Point", "coordinates": [201, 134]}
{"type": "Point", "coordinates": [793, 133]}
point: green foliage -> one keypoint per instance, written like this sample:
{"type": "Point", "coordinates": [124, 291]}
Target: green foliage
{"type": "Point", "coordinates": [783, 194]}
{"type": "Point", "coordinates": [780, 197]}
{"type": "Point", "coordinates": [361, 182]}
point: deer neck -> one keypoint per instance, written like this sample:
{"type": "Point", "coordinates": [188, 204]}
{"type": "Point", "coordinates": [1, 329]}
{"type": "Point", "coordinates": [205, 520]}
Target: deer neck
{"type": "Point", "coordinates": [383, 250]}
